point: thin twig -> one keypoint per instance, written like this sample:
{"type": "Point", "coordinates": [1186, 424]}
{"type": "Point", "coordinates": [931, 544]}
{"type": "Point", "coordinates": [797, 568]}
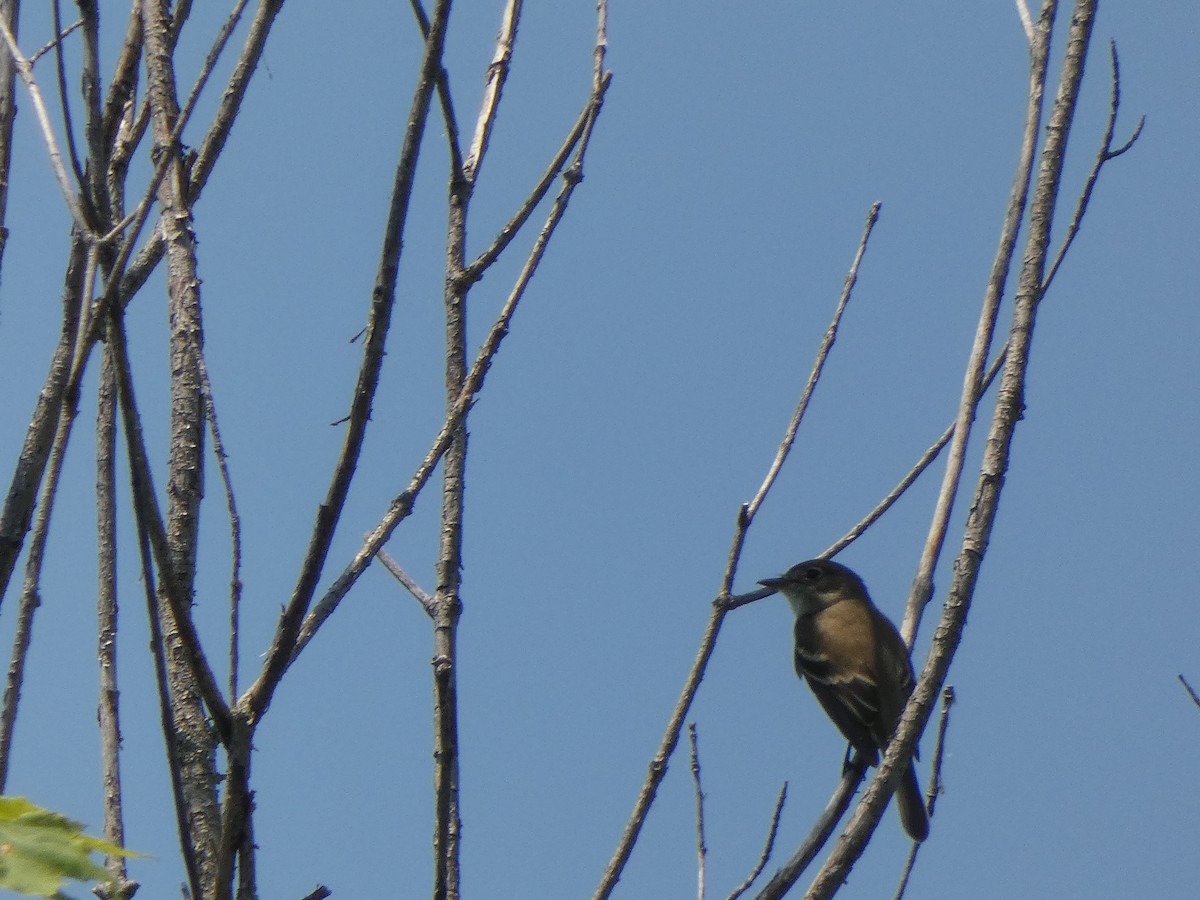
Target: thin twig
{"type": "Point", "coordinates": [474, 271]}
{"type": "Point", "coordinates": [444, 99]}
{"type": "Point", "coordinates": [790, 872]}
{"type": "Point", "coordinates": [1105, 153]}
{"type": "Point", "coordinates": [935, 785]}
{"type": "Point", "coordinates": [701, 849]}
{"type": "Point", "coordinates": [64, 103]}
{"type": "Point", "coordinates": [827, 340]}
{"type": "Point", "coordinates": [949, 698]}
{"type": "Point", "coordinates": [724, 602]}
{"type": "Point", "coordinates": [39, 106]}
{"type": "Point", "coordinates": [66, 32]}
{"type": "Point", "coordinates": [913, 474]}
{"type": "Point", "coordinates": [1191, 691]}
{"type": "Point", "coordinates": [235, 520]}
{"type": "Point", "coordinates": [419, 593]}
{"type": "Point", "coordinates": [768, 847]}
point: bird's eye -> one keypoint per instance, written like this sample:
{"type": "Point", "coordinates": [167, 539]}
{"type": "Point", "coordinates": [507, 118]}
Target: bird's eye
{"type": "Point", "coordinates": [812, 573]}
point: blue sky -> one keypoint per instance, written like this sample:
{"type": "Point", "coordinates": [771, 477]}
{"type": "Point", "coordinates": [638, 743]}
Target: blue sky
{"type": "Point", "coordinates": [637, 402]}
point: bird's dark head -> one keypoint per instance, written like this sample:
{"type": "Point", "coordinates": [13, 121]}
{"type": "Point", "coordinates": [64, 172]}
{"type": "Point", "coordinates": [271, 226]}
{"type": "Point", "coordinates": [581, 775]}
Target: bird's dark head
{"type": "Point", "coordinates": [816, 585]}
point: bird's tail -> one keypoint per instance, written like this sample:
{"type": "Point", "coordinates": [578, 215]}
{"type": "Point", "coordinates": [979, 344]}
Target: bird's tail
{"type": "Point", "coordinates": [911, 806]}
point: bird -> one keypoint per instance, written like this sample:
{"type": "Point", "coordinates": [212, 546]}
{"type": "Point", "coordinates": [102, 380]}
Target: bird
{"type": "Point", "coordinates": [857, 665]}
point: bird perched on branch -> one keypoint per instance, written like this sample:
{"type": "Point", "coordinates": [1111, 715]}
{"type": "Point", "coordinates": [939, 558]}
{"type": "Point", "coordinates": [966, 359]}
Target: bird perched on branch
{"type": "Point", "coordinates": [856, 663]}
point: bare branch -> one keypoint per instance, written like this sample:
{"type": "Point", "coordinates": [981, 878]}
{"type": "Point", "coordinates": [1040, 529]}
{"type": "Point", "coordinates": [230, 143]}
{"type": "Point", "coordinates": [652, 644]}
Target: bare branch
{"type": "Point", "coordinates": [146, 508]}
{"type": "Point", "coordinates": [768, 847]}
{"type": "Point", "coordinates": [935, 785]}
{"type": "Point", "coordinates": [39, 106]}
{"type": "Point", "coordinates": [444, 99]}
{"type": "Point", "coordinates": [284, 644]}
{"type": "Point", "coordinates": [1009, 410]}
{"type": "Point", "coordinates": [1026, 20]}
{"type": "Point", "coordinates": [8, 114]}
{"type": "Point", "coordinates": [922, 587]}
{"type": "Point", "coordinates": [474, 271]}
{"type": "Point", "coordinates": [789, 438]}
{"type": "Point", "coordinates": [724, 602]}
{"type": "Point", "coordinates": [913, 474]}
{"type": "Point", "coordinates": [1105, 153]}
{"type": "Point", "coordinates": [64, 103]}
{"type": "Point", "coordinates": [108, 713]}
{"type": "Point", "coordinates": [171, 738]}
{"type": "Point", "coordinates": [789, 873]}
{"type": "Point", "coordinates": [1191, 691]}
{"type": "Point", "coordinates": [402, 505]}
{"type": "Point", "coordinates": [497, 75]}
{"type": "Point", "coordinates": [420, 594]}
{"type": "Point", "coordinates": [701, 849]}
{"type": "Point", "coordinates": [63, 35]}
{"type": "Point", "coordinates": [30, 594]}
{"type": "Point", "coordinates": [235, 520]}
{"type": "Point", "coordinates": [17, 516]}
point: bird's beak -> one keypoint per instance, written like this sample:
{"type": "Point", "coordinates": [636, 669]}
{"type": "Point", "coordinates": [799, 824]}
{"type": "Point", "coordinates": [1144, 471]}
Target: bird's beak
{"type": "Point", "coordinates": [773, 583]}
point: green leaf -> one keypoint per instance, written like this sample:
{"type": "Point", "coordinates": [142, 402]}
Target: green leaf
{"type": "Point", "coordinates": [40, 849]}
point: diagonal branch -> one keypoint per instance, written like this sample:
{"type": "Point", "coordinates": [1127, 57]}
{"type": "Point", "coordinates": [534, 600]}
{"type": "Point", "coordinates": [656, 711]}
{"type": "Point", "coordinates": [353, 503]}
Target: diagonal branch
{"type": "Point", "coordinates": [725, 601]}
{"type": "Point", "coordinates": [147, 511]}
{"type": "Point", "coordinates": [284, 642]}
{"type": "Point", "coordinates": [1009, 410]}
{"type": "Point", "coordinates": [922, 586]}
{"type": "Point", "coordinates": [401, 507]}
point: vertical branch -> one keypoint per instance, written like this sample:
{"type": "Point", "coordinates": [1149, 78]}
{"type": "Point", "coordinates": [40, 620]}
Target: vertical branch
{"type": "Point", "coordinates": [171, 740]}
{"type": "Point", "coordinates": [118, 124]}
{"type": "Point", "coordinates": [64, 102]}
{"type": "Point", "coordinates": [448, 608]}
{"type": "Point", "coordinates": [98, 149]}
{"type": "Point", "coordinates": [9, 10]}
{"type": "Point", "coordinates": [108, 713]}
{"type": "Point", "coordinates": [447, 604]}
{"type": "Point", "coordinates": [701, 847]}
{"type": "Point", "coordinates": [185, 464]}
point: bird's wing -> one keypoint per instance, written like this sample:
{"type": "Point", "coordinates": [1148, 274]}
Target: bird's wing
{"type": "Point", "coordinates": [835, 655]}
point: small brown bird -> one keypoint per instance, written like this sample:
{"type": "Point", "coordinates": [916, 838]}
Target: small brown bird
{"type": "Point", "coordinates": [856, 663]}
